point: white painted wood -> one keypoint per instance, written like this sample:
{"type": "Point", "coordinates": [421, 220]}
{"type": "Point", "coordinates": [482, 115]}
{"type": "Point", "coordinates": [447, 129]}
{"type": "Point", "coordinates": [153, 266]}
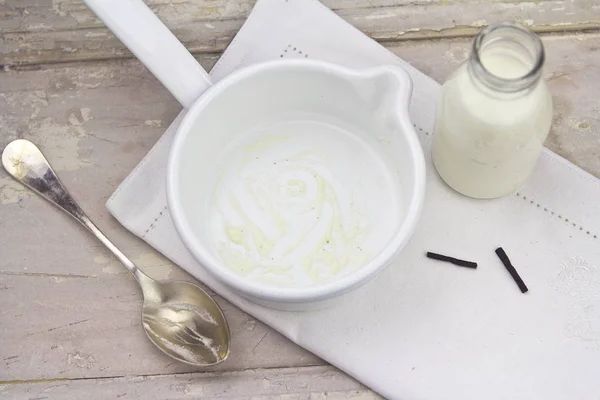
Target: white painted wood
{"type": "Point", "coordinates": [81, 327]}
{"type": "Point", "coordinates": [69, 319]}
{"type": "Point", "coordinates": [310, 383]}
{"type": "Point", "coordinates": [65, 30]}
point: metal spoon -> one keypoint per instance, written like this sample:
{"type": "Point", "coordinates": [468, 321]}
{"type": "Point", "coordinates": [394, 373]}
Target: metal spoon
{"type": "Point", "coordinates": [180, 318]}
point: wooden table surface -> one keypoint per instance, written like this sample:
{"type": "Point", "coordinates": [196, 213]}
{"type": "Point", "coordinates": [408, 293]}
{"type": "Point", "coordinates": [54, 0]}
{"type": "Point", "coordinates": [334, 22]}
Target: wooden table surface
{"type": "Point", "coordinates": [69, 313]}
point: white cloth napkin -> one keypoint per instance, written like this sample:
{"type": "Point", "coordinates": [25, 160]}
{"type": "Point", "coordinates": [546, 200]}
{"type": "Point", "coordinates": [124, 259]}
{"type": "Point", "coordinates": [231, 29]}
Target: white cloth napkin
{"type": "Point", "coordinates": [425, 329]}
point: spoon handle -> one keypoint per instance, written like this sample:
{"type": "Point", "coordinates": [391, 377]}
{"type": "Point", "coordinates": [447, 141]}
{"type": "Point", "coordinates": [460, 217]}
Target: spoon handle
{"type": "Point", "coordinates": [25, 162]}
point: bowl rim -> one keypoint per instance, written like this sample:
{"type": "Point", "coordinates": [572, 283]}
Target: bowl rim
{"type": "Point", "coordinates": [335, 287]}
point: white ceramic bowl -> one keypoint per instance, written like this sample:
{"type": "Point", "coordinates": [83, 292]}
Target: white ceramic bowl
{"type": "Point", "coordinates": [357, 125]}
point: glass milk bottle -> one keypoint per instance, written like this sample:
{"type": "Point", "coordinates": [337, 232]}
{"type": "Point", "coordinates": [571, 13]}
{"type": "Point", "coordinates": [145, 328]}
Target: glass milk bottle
{"type": "Point", "coordinates": [494, 114]}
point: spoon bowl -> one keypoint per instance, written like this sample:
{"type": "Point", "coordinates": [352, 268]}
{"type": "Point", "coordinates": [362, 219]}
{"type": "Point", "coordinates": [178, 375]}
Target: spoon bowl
{"type": "Point", "coordinates": [180, 318]}
{"type": "Point", "coordinates": [186, 324]}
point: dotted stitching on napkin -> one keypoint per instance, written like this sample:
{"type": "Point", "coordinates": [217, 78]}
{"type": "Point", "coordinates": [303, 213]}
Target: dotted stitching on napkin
{"type": "Point", "coordinates": [559, 216]}
{"type": "Point", "coordinates": [293, 51]}
{"type": "Point", "coordinates": [421, 130]}
{"type": "Point", "coordinates": [153, 224]}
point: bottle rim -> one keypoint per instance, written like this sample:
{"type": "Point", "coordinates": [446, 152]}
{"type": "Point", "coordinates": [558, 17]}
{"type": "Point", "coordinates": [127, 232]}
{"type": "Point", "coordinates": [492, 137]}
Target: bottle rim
{"type": "Point", "coordinates": [496, 82]}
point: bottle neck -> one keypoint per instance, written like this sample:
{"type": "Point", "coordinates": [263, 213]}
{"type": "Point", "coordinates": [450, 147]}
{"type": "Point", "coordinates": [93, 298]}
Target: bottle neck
{"type": "Point", "coordinates": [506, 58]}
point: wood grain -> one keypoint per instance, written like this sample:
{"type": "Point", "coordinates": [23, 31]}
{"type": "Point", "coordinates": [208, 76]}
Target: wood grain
{"type": "Point", "coordinates": [49, 31]}
{"type": "Point", "coordinates": [287, 383]}
{"type": "Point", "coordinates": [80, 327]}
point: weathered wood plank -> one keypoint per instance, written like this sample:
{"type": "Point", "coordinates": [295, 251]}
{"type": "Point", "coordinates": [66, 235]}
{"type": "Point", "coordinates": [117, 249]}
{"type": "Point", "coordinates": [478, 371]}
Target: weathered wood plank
{"type": "Point", "coordinates": [46, 31]}
{"type": "Point", "coordinates": [95, 121]}
{"type": "Point", "coordinates": [79, 327]}
{"type": "Point", "coordinates": [20, 16]}
{"type": "Point", "coordinates": [291, 383]}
